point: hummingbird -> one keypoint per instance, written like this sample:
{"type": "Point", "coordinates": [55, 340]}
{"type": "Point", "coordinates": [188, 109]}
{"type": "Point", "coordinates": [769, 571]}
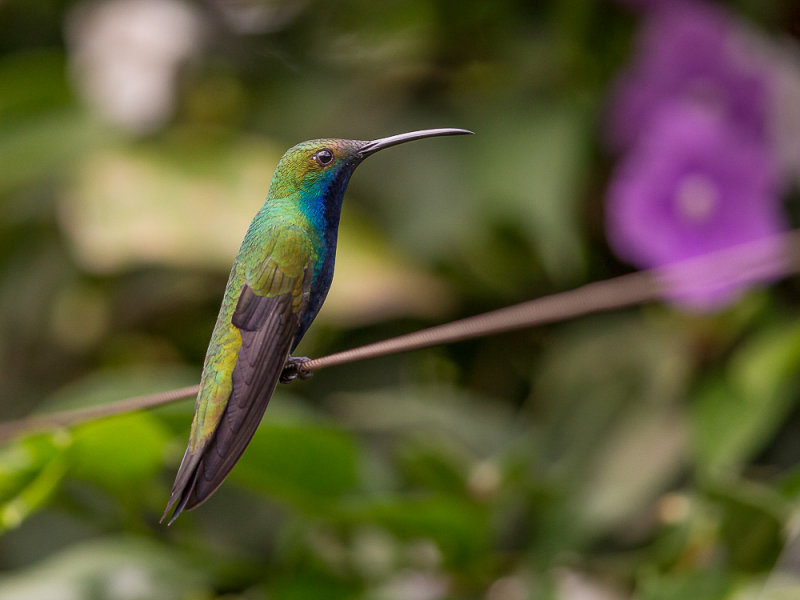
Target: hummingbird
{"type": "Point", "coordinates": [278, 282]}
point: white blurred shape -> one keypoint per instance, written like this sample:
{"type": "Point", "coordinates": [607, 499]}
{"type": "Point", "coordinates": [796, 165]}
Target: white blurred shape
{"type": "Point", "coordinates": [510, 587]}
{"type": "Point", "coordinates": [574, 585]}
{"type": "Point", "coordinates": [125, 56]}
{"type": "Point", "coordinates": [130, 582]}
{"type": "Point", "coordinates": [259, 16]}
{"type": "Point", "coordinates": [415, 585]}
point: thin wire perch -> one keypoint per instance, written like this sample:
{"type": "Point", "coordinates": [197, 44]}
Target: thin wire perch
{"type": "Point", "coordinates": [771, 257]}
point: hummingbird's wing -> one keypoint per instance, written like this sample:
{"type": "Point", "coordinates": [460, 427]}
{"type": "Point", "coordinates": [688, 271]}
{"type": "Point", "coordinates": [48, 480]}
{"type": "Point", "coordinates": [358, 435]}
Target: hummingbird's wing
{"type": "Point", "coordinates": [268, 326]}
{"type": "Point", "coordinates": [266, 316]}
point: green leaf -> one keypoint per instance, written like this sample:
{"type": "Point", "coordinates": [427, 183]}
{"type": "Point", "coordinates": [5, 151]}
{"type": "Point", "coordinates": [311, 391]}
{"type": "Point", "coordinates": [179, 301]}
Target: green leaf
{"type": "Point", "coordinates": [311, 585]}
{"type": "Point", "coordinates": [752, 524]}
{"type": "Point", "coordinates": [431, 464]}
{"type": "Point", "coordinates": [119, 452]}
{"type": "Point", "coordinates": [459, 527]}
{"type": "Point", "coordinates": [304, 463]}
{"type": "Point", "coordinates": [735, 415]}
{"type": "Point", "coordinates": [30, 471]}
{"type": "Point", "coordinates": [708, 585]}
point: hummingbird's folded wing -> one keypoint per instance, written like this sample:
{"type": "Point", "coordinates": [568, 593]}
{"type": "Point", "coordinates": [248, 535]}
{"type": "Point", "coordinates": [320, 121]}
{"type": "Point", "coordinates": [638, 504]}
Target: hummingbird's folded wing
{"type": "Point", "coordinates": [267, 316]}
{"type": "Point", "coordinates": [268, 326]}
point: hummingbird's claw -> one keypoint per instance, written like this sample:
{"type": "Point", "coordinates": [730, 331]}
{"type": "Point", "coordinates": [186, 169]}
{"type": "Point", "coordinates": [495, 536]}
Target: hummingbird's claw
{"type": "Point", "coordinates": [294, 369]}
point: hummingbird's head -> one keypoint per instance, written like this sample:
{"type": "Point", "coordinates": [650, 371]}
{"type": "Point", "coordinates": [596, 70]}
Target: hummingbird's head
{"type": "Point", "coordinates": [316, 168]}
{"type": "Point", "coordinates": [321, 169]}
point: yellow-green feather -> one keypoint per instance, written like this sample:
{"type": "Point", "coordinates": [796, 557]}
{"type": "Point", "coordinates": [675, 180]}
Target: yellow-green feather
{"type": "Point", "coordinates": [278, 247]}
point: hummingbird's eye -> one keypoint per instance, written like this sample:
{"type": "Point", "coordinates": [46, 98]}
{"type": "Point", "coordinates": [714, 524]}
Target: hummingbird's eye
{"type": "Point", "coordinates": [323, 157]}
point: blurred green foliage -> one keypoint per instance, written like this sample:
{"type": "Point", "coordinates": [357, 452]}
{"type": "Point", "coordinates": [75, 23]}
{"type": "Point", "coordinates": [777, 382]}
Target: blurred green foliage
{"type": "Point", "coordinates": [647, 454]}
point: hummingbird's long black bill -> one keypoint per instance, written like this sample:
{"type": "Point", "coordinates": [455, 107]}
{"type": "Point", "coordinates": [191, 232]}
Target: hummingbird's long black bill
{"type": "Point", "coordinates": [401, 138]}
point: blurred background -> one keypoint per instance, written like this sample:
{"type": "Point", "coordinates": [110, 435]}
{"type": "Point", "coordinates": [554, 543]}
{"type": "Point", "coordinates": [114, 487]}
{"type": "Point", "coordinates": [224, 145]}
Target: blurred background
{"type": "Point", "coordinates": [649, 453]}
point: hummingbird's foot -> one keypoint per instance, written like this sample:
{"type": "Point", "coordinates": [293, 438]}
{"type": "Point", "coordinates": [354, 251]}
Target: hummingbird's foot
{"type": "Point", "coordinates": [294, 369]}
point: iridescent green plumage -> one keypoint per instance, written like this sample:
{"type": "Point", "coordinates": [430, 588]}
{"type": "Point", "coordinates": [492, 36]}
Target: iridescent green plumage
{"type": "Point", "coordinates": [278, 282]}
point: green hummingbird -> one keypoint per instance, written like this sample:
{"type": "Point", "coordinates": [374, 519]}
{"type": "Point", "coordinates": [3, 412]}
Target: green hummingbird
{"type": "Point", "coordinates": [276, 287]}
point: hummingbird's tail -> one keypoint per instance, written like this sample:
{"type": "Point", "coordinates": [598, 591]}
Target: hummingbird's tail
{"type": "Point", "coordinates": [267, 326]}
{"type": "Point", "coordinates": [203, 471]}
{"type": "Point", "coordinates": [182, 496]}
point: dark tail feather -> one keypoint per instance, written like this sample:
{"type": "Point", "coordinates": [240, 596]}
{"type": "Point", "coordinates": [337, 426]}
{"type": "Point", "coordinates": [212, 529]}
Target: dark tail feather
{"type": "Point", "coordinates": [202, 473]}
{"type": "Point", "coordinates": [183, 488]}
{"type": "Point", "coordinates": [182, 505]}
{"type": "Point", "coordinates": [267, 326]}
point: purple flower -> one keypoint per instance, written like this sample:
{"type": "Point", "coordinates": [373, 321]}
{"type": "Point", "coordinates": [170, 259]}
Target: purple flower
{"type": "Point", "coordinates": [692, 52]}
{"type": "Point", "coordinates": [693, 186]}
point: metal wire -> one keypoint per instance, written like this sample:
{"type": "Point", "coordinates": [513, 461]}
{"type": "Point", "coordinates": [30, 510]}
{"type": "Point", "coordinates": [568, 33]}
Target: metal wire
{"type": "Point", "coordinates": [772, 257]}
{"type": "Point", "coordinates": [69, 418]}
{"type": "Point", "coordinates": [594, 297]}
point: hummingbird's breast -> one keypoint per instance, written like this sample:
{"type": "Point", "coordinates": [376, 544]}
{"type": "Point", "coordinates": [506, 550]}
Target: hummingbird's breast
{"type": "Point", "coordinates": [321, 206]}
